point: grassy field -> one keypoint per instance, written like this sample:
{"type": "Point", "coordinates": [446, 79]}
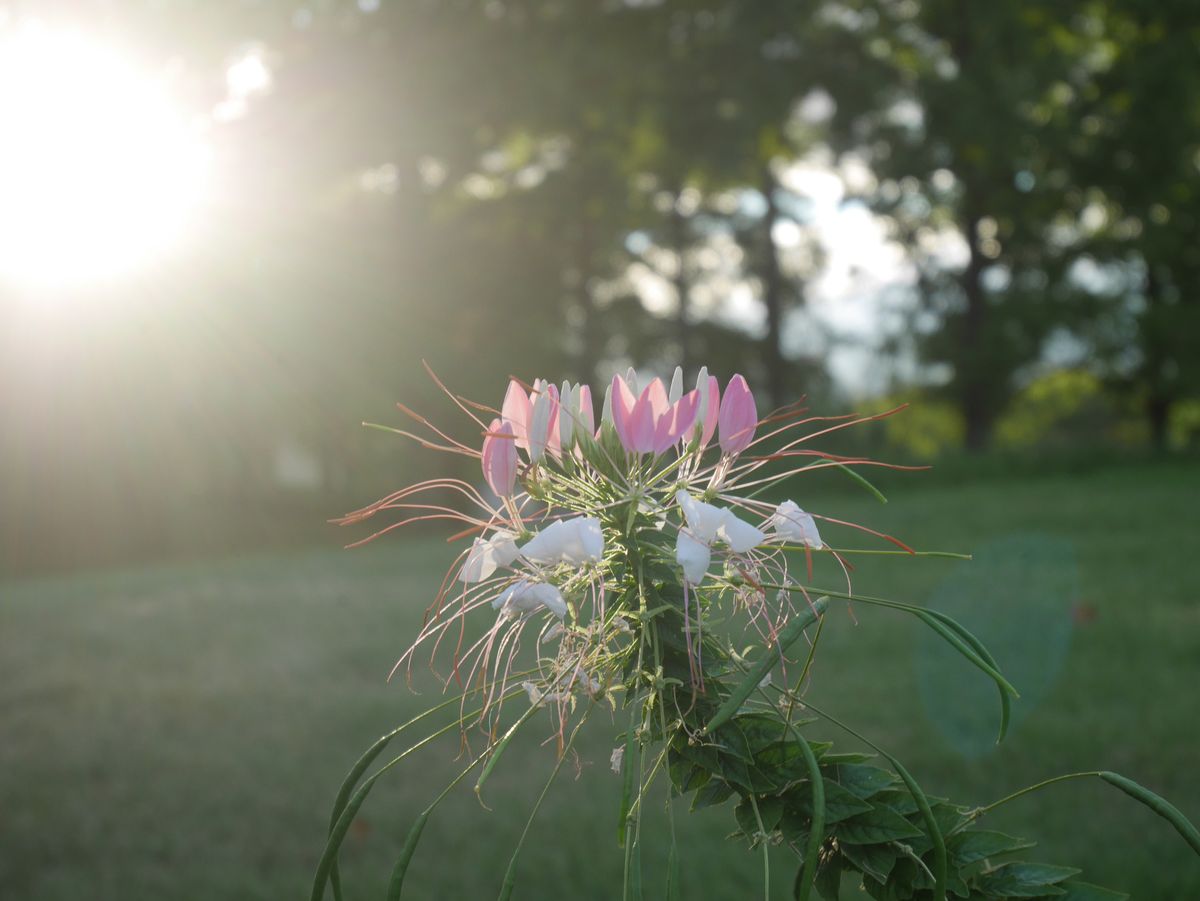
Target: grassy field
{"type": "Point", "coordinates": [179, 732]}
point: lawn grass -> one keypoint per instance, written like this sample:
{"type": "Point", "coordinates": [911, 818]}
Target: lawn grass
{"type": "Point", "coordinates": [179, 732]}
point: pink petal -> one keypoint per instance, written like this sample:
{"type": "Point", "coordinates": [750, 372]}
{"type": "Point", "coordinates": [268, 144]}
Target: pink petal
{"type": "Point", "coordinates": [641, 433]}
{"type": "Point", "coordinates": [738, 416]}
{"type": "Point", "coordinates": [709, 417]}
{"type": "Point", "coordinates": [500, 458]}
{"type": "Point", "coordinates": [587, 418]}
{"type": "Point", "coordinates": [553, 437]}
{"type": "Point", "coordinates": [623, 404]}
{"type": "Point", "coordinates": [656, 395]}
{"type": "Point", "coordinates": [516, 411]}
{"type": "Point", "coordinates": [678, 421]}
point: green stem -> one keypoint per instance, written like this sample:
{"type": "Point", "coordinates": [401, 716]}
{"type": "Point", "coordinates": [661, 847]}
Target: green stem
{"type": "Point", "coordinates": [980, 811]}
{"type": "Point", "coordinates": [510, 875]}
{"type": "Point", "coordinates": [762, 831]}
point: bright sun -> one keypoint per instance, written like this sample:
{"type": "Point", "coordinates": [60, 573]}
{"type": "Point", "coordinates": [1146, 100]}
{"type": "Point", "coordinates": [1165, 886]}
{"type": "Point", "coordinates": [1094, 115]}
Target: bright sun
{"type": "Point", "coordinates": [99, 174]}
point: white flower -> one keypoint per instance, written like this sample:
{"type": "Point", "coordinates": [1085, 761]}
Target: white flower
{"type": "Point", "coordinates": [707, 524]}
{"type": "Point", "coordinates": [590, 684]}
{"type": "Point", "coordinates": [539, 698]}
{"type": "Point", "coordinates": [694, 556]}
{"type": "Point", "coordinates": [793, 524]}
{"type": "Point", "coordinates": [618, 755]}
{"type": "Point", "coordinates": [575, 541]}
{"type": "Point", "coordinates": [739, 534]}
{"type": "Point", "coordinates": [486, 556]}
{"type": "Point", "coordinates": [529, 597]}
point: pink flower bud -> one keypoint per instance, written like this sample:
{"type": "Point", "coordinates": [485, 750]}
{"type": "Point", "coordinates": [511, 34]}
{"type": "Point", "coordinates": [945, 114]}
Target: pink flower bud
{"type": "Point", "coordinates": [516, 412]}
{"type": "Point", "coordinates": [738, 417]}
{"type": "Point", "coordinates": [500, 458]}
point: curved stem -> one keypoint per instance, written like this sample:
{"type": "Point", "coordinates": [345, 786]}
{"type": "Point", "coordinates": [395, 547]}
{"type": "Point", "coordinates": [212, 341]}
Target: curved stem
{"type": "Point", "coordinates": [980, 811]}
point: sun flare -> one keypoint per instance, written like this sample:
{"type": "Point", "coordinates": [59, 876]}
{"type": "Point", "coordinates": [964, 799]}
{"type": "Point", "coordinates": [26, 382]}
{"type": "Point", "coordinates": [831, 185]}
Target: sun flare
{"type": "Point", "coordinates": [99, 172]}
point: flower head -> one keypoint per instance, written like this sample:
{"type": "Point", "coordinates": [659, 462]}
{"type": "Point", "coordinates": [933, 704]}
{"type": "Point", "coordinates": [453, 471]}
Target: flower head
{"type": "Point", "coordinates": [583, 517]}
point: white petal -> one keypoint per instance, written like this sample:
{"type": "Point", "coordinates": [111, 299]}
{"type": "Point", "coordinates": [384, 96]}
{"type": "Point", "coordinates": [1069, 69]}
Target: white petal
{"type": "Point", "coordinates": [528, 597]}
{"type": "Point", "coordinates": [694, 556]}
{"type": "Point", "coordinates": [793, 524]}
{"type": "Point", "coordinates": [504, 547]}
{"type": "Point", "coordinates": [480, 563]}
{"type": "Point", "coordinates": [618, 755]}
{"type": "Point", "coordinates": [703, 519]}
{"type": "Point", "coordinates": [592, 538]}
{"type": "Point", "coordinates": [739, 534]}
{"type": "Point", "coordinates": [547, 545]}
{"type": "Point", "coordinates": [535, 693]}
{"type": "Point", "coordinates": [676, 391]}
{"type": "Point", "coordinates": [546, 595]}
{"type": "Point", "coordinates": [606, 410]}
{"type": "Point", "coordinates": [539, 425]}
{"type": "Point", "coordinates": [576, 541]}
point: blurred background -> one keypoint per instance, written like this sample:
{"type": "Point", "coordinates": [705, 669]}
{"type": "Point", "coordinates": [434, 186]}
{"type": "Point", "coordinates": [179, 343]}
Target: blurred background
{"type": "Point", "coordinates": [231, 231]}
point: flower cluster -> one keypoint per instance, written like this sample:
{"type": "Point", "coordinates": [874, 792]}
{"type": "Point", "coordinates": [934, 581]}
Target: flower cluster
{"type": "Point", "coordinates": [580, 510]}
{"type": "Point", "coordinates": [621, 544]}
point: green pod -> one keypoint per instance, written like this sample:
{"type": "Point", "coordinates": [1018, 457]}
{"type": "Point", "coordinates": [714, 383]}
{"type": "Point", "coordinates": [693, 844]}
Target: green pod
{"type": "Point", "coordinates": [759, 671]}
{"type": "Point", "coordinates": [1158, 804]}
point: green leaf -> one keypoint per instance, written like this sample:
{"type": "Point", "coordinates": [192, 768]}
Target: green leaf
{"type": "Point", "coordinates": [1024, 880]}
{"type": "Point", "coordinates": [762, 730]}
{"type": "Point", "coordinates": [875, 861]}
{"type": "Point", "coordinates": [975, 845]}
{"type": "Point", "coordinates": [863, 781]}
{"type": "Point", "coordinates": [732, 740]}
{"type": "Point", "coordinates": [715, 791]}
{"type": "Point", "coordinates": [846, 757]}
{"type": "Point", "coordinates": [839, 803]}
{"type": "Point", "coordinates": [769, 808]}
{"type": "Point", "coordinates": [880, 824]}
{"type": "Point", "coordinates": [1083, 891]}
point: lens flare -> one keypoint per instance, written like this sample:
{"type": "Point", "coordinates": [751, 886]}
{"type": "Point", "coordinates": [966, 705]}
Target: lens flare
{"type": "Point", "coordinates": [99, 172]}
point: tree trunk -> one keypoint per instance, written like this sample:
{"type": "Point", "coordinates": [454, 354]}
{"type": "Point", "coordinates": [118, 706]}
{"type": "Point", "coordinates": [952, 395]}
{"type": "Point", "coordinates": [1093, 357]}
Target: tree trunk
{"type": "Point", "coordinates": [773, 298]}
{"type": "Point", "coordinates": [1158, 395]}
{"type": "Point", "coordinates": [679, 238]}
{"type": "Point", "coordinates": [974, 379]}
{"type": "Point", "coordinates": [591, 337]}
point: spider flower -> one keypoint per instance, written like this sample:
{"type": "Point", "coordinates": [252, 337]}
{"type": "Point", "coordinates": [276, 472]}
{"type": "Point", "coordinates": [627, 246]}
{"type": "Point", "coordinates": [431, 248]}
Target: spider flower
{"type": "Point", "coordinates": [792, 524]}
{"type": "Point", "coordinates": [529, 597]}
{"type": "Point", "coordinates": [486, 556]}
{"type": "Point", "coordinates": [578, 519]}
{"type": "Point", "coordinates": [706, 525]}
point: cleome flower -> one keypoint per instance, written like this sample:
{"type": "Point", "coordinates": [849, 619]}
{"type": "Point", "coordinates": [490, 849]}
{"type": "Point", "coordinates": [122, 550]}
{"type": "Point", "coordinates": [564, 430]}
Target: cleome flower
{"type": "Point", "coordinates": [581, 511]}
